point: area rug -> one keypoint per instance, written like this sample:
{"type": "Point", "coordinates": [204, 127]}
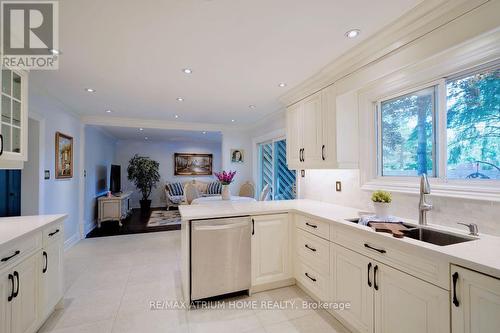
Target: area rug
{"type": "Point", "coordinates": [164, 217]}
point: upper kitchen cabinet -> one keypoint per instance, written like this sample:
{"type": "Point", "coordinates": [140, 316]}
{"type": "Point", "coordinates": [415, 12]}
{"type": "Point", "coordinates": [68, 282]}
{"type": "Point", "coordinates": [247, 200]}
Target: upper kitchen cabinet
{"type": "Point", "coordinates": [14, 119]}
{"type": "Point", "coordinates": [322, 131]}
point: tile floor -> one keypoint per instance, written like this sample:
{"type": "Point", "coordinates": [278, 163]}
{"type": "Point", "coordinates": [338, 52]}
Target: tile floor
{"type": "Point", "coordinates": [110, 281]}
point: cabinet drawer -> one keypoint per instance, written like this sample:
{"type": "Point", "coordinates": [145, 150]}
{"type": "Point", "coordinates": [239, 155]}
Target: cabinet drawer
{"type": "Point", "coordinates": [401, 256]}
{"type": "Point", "coordinates": [313, 250]}
{"type": "Point", "coordinates": [21, 248]}
{"type": "Point", "coordinates": [319, 228]}
{"type": "Point", "coordinates": [315, 282]}
{"type": "Point", "coordinates": [52, 233]}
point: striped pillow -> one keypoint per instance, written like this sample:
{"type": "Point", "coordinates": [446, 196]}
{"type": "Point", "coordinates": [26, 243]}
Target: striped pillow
{"type": "Point", "coordinates": [175, 189]}
{"type": "Point", "coordinates": [214, 188]}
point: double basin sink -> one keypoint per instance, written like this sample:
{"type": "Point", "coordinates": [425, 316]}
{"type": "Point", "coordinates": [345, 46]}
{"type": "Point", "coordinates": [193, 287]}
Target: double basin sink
{"type": "Point", "coordinates": [431, 236]}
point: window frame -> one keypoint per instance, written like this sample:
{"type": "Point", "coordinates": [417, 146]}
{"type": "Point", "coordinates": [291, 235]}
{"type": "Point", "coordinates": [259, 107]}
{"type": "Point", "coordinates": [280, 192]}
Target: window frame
{"type": "Point", "coordinates": [407, 81]}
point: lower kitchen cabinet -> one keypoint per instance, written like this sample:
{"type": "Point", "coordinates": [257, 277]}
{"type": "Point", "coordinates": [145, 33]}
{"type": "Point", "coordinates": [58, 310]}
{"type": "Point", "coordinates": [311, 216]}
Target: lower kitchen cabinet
{"type": "Point", "coordinates": [271, 249]}
{"type": "Point", "coordinates": [51, 278]}
{"type": "Point", "coordinates": [475, 302]}
{"type": "Point", "coordinates": [384, 299]}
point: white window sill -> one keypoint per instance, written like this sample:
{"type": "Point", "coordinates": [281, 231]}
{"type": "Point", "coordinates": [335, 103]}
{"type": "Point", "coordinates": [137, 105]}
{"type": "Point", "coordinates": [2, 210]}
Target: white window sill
{"type": "Point", "coordinates": [487, 190]}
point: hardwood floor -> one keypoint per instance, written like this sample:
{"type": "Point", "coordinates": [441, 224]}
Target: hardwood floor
{"type": "Point", "coordinates": [136, 223]}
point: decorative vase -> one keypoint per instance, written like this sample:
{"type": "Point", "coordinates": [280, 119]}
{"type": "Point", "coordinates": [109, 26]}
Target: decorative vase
{"type": "Point", "coordinates": [381, 209]}
{"type": "Point", "coordinates": [145, 207]}
{"type": "Point", "coordinates": [226, 193]}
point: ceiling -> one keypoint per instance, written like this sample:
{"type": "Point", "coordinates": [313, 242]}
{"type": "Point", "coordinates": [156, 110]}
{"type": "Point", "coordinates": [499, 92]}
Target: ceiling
{"type": "Point", "coordinates": [133, 53]}
{"type": "Point", "coordinates": [161, 135]}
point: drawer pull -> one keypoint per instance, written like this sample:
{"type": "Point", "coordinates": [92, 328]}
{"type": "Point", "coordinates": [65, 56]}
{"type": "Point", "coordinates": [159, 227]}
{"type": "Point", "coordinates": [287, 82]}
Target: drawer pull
{"type": "Point", "coordinates": [311, 278]}
{"type": "Point", "coordinates": [10, 257]}
{"type": "Point", "coordinates": [374, 248]}
{"type": "Point", "coordinates": [311, 225]}
{"type": "Point", "coordinates": [455, 299]}
{"type": "Point", "coordinates": [310, 248]}
{"type": "Point", "coordinates": [53, 233]}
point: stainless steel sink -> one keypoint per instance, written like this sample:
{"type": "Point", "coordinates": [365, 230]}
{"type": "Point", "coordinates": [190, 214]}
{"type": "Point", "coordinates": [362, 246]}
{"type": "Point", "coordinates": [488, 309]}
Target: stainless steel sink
{"type": "Point", "coordinates": [436, 237]}
{"type": "Point", "coordinates": [431, 236]}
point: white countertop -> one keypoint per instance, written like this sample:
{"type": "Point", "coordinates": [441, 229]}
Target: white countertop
{"type": "Point", "coordinates": [482, 255]}
{"type": "Point", "coordinates": [13, 228]}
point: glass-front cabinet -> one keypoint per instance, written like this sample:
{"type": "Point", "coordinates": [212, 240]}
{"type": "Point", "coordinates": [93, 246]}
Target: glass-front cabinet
{"type": "Point", "coordinates": [14, 119]}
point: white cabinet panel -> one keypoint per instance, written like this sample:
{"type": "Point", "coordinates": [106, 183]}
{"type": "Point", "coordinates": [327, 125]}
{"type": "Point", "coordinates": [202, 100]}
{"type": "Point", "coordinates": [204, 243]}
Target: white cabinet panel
{"type": "Point", "coordinates": [51, 277]}
{"type": "Point", "coordinates": [294, 135]}
{"type": "Point", "coordinates": [404, 303]}
{"type": "Point", "coordinates": [312, 130]}
{"type": "Point", "coordinates": [25, 304]}
{"type": "Point", "coordinates": [6, 289]}
{"type": "Point", "coordinates": [271, 258]}
{"type": "Point", "coordinates": [475, 302]}
{"type": "Point", "coordinates": [350, 283]}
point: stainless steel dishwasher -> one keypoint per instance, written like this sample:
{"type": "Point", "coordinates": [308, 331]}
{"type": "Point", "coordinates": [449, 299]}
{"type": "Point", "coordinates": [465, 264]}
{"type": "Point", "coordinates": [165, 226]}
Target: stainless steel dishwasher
{"type": "Point", "coordinates": [220, 256]}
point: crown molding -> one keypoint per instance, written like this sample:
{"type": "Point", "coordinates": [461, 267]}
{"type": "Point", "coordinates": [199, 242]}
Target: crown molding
{"type": "Point", "coordinates": [421, 20]}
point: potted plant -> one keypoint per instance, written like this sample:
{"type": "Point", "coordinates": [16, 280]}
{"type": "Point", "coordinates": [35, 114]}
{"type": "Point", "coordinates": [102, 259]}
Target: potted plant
{"type": "Point", "coordinates": [143, 172]}
{"type": "Point", "coordinates": [225, 178]}
{"type": "Point", "coordinates": [382, 202]}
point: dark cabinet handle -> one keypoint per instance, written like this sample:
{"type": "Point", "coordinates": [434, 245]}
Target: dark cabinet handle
{"type": "Point", "coordinates": [16, 275]}
{"type": "Point", "coordinates": [374, 248]}
{"type": "Point", "coordinates": [10, 257]}
{"type": "Point", "coordinates": [253, 227]}
{"type": "Point", "coordinates": [1, 144]}
{"type": "Point", "coordinates": [11, 296]}
{"type": "Point", "coordinates": [311, 225]}
{"type": "Point", "coordinates": [310, 248]}
{"type": "Point", "coordinates": [375, 270]}
{"type": "Point", "coordinates": [455, 299]}
{"type": "Point", "coordinates": [323, 152]}
{"type": "Point", "coordinates": [311, 278]}
{"type": "Point", "coordinates": [369, 269]}
{"type": "Point", "coordinates": [303, 154]}
{"type": "Point", "coordinates": [53, 233]}
{"type": "Point", "coordinates": [46, 262]}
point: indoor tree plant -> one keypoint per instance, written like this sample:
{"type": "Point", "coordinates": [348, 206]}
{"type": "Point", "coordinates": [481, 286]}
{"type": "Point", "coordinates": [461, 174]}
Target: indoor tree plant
{"type": "Point", "coordinates": [225, 178]}
{"type": "Point", "coordinates": [381, 201]}
{"type": "Point", "coordinates": [143, 172]}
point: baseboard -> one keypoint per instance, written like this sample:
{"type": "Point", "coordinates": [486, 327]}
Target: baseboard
{"type": "Point", "coordinates": [273, 285]}
{"type": "Point", "coordinates": [70, 242]}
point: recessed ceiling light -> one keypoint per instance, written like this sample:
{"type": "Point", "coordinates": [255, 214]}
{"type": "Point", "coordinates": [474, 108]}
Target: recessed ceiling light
{"type": "Point", "coordinates": [353, 33]}
{"type": "Point", "coordinates": [55, 51]}
{"type": "Point", "coordinates": [232, 120]}
{"type": "Point", "coordinates": [109, 111]}
{"type": "Point", "coordinates": [204, 132]}
{"type": "Point", "coordinates": [180, 99]}
{"type": "Point", "coordinates": [187, 70]}
{"type": "Point", "coordinates": [146, 138]}
{"type": "Point", "coordinates": [176, 116]}
{"type": "Point", "coordinates": [90, 90]}
{"type": "Point", "coordinates": [282, 84]}
{"type": "Point", "coordinates": [252, 106]}
{"type": "Point", "coordinates": [141, 129]}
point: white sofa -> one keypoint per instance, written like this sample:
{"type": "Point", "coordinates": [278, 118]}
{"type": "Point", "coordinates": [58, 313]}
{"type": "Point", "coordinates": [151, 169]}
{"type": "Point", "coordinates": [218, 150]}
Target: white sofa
{"type": "Point", "coordinates": [176, 200]}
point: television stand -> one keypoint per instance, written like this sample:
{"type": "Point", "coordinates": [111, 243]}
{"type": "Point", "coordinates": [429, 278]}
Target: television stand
{"type": "Point", "coordinates": [114, 208]}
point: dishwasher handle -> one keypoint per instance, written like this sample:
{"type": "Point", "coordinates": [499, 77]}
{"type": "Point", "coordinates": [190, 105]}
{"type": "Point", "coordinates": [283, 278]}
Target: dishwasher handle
{"type": "Point", "coordinates": [220, 227]}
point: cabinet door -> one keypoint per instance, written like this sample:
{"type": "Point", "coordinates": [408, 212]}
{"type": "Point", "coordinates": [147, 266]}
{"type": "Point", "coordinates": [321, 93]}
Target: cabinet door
{"type": "Point", "coordinates": [313, 131]}
{"type": "Point", "coordinates": [404, 303]}
{"type": "Point", "coordinates": [478, 307]}
{"type": "Point", "coordinates": [25, 305]}
{"type": "Point", "coordinates": [51, 277]}
{"type": "Point", "coordinates": [350, 283]}
{"type": "Point", "coordinates": [271, 259]}
{"type": "Point", "coordinates": [294, 135]}
{"type": "Point", "coordinates": [329, 128]}
{"type": "Point", "coordinates": [5, 304]}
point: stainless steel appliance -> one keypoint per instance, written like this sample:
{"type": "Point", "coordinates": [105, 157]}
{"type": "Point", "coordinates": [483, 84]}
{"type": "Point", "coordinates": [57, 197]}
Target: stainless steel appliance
{"type": "Point", "coordinates": [220, 256]}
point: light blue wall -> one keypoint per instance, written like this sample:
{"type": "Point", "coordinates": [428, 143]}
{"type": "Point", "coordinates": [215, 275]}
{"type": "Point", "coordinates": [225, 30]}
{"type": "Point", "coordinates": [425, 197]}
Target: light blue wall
{"type": "Point", "coordinates": [99, 155]}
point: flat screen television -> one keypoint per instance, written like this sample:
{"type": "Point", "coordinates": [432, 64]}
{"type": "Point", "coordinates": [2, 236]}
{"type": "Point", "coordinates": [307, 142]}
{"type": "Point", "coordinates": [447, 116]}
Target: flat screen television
{"type": "Point", "coordinates": [115, 179]}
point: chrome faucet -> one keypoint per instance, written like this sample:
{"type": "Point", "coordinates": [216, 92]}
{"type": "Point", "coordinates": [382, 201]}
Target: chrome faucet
{"type": "Point", "coordinates": [423, 206]}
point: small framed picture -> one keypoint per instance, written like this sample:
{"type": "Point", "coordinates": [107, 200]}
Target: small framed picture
{"type": "Point", "coordinates": [64, 156]}
{"type": "Point", "coordinates": [237, 155]}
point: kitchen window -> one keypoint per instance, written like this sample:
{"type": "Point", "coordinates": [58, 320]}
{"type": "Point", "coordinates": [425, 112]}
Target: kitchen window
{"type": "Point", "coordinates": [273, 170]}
{"type": "Point", "coordinates": [449, 129]}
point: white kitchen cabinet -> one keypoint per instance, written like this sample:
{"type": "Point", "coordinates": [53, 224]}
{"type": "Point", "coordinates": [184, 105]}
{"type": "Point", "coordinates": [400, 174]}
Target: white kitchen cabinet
{"type": "Point", "coordinates": [350, 283]}
{"type": "Point", "coordinates": [6, 287]}
{"type": "Point", "coordinates": [475, 302]}
{"type": "Point", "coordinates": [322, 131]}
{"type": "Point", "coordinates": [13, 119]}
{"type": "Point", "coordinates": [25, 304]}
{"type": "Point", "coordinates": [271, 249]}
{"type": "Point", "coordinates": [383, 299]}
{"type": "Point", "coordinates": [51, 277]}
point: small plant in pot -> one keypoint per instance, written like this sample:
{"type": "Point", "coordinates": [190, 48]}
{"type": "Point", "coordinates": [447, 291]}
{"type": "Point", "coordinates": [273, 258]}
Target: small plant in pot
{"type": "Point", "coordinates": [143, 172]}
{"type": "Point", "coordinates": [382, 202]}
{"type": "Point", "coordinates": [225, 178]}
